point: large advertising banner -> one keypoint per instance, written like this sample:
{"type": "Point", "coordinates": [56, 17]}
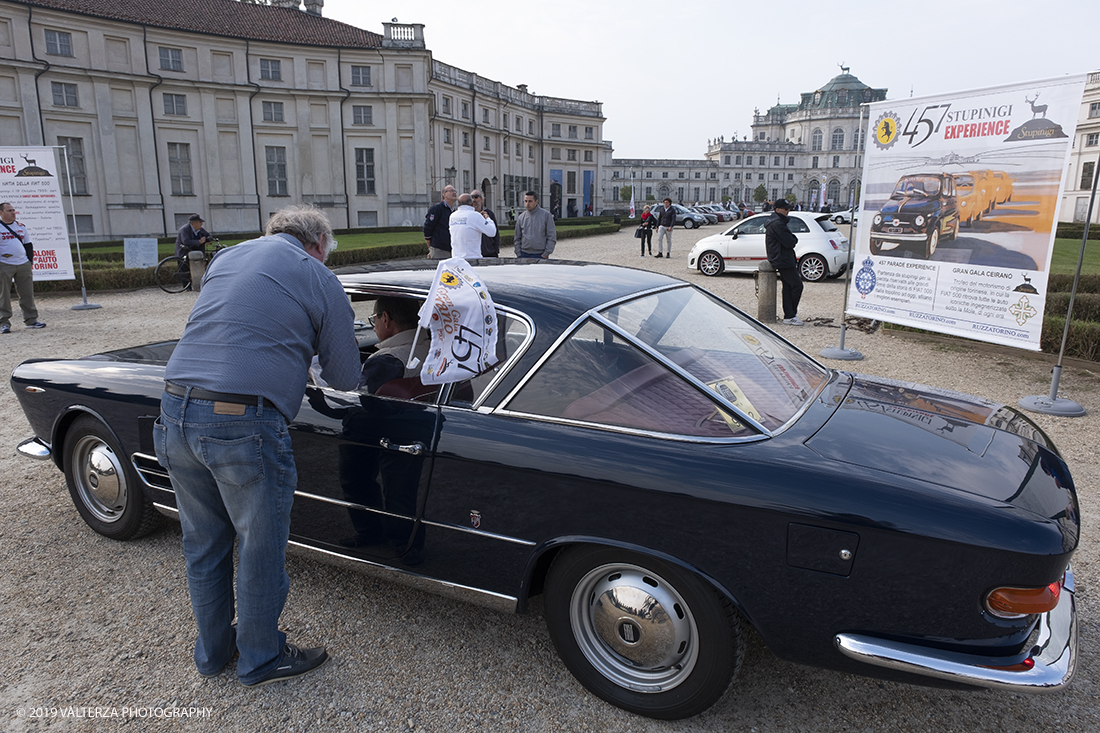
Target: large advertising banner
{"type": "Point", "coordinates": [959, 209]}
{"type": "Point", "coordinates": [29, 182]}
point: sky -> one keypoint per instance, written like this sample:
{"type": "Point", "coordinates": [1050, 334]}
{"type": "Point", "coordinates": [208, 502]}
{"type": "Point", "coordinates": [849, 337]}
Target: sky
{"type": "Point", "coordinates": [672, 75]}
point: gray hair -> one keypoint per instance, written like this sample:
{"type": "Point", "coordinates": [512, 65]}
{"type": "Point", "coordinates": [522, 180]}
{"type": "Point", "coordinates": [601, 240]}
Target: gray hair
{"type": "Point", "coordinates": [306, 223]}
{"type": "Point", "coordinates": [465, 200]}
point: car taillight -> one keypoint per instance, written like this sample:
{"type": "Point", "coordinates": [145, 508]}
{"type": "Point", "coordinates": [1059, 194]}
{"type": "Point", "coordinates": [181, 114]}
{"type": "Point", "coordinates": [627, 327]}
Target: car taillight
{"type": "Point", "coordinates": [1019, 602]}
{"type": "Point", "coordinates": [835, 245]}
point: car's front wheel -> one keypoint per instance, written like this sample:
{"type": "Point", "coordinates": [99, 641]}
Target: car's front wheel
{"type": "Point", "coordinates": [689, 223]}
{"type": "Point", "coordinates": [641, 633]}
{"type": "Point", "coordinates": [813, 268]}
{"type": "Point", "coordinates": [711, 263]}
{"type": "Point", "coordinates": [102, 483]}
{"type": "Point", "coordinates": [932, 242]}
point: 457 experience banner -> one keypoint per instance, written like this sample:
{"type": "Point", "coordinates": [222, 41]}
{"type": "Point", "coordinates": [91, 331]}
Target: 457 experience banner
{"type": "Point", "coordinates": [959, 208]}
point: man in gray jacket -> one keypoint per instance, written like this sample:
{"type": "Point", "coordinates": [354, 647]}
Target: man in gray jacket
{"type": "Point", "coordinates": [535, 232]}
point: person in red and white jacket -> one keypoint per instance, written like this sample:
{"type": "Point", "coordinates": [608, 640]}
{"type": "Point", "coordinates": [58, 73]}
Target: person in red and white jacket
{"type": "Point", "coordinates": [16, 265]}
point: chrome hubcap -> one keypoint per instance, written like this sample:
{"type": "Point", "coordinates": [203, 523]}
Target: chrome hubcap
{"type": "Point", "coordinates": [99, 478]}
{"type": "Point", "coordinates": [709, 264]}
{"type": "Point", "coordinates": [812, 269]}
{"type": "Point", "coordinates": [634, 628]}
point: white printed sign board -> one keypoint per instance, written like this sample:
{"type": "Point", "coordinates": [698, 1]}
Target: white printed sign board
{"type": "Point", "coordinates": [29, 182]}
{"type": "Point", "coordinates": [959, 209]}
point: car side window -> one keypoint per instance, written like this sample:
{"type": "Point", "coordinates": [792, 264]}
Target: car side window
{"type": "Point", "coordinates": [597, 377]}
{"type": "Point", "coordinates": [512, 332]}
{"type": "Point", "coordinates": [753, 226]}
{"type": "Point", "coordinates": [797, 226]}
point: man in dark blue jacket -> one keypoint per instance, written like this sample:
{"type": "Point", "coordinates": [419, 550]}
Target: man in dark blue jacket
{"type": "Point", "coordinates": [437, 225]}
{"type": "Point", "coordinates": [779, 242]}
{"type": "Point", "coordinates": [191, 236]}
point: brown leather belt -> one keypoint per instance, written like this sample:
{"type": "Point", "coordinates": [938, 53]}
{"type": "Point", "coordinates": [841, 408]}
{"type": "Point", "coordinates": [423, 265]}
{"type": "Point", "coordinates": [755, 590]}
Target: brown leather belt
{"type": "Point", "coordinates": [202, 394]}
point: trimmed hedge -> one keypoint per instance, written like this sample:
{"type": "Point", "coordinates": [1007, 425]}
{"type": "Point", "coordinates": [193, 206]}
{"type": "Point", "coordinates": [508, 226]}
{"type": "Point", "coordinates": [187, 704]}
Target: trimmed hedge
{"type": "Point", "coordinates": [1083, 341]}
{"type": "Point", "coordinates": [1076, 229]}
{"type": "Point", "coordinates": [1064, 283]}
{"type": "Point", "coordinates": [1086, 306]}
{"type": "Point", "coordinates": [106, 271]}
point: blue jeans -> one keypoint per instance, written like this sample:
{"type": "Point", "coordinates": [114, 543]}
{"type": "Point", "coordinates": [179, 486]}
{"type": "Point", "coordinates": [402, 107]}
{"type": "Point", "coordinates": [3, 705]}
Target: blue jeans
{"type": "Point", "coordinates": [234, 476]}
{"type": "Point", "coordinates": [527, 256]}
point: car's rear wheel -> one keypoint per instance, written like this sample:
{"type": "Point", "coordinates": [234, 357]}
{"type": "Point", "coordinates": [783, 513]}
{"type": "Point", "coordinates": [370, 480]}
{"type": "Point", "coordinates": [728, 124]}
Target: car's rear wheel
{"type": "Point", "coordinates": [813, 268]}
{"type": "Point", "coordinates": [689, 223]}
{"type": "Point", "coordinates": [641, 633]}
{"type": "Point", "coordinates": [103, 485]}
{"type": "Point", "coordinates": [711, 263]}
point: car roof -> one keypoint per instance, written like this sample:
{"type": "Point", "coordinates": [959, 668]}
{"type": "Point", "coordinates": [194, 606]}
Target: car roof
{"type": "Point", "coordinates": [553, 292]}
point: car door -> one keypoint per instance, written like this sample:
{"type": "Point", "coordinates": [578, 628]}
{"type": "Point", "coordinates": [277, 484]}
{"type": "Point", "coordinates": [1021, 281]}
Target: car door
{"type": "Point", "coordinates": [746, 246]}
{"type": "Point", "coordinates": [363, 463]}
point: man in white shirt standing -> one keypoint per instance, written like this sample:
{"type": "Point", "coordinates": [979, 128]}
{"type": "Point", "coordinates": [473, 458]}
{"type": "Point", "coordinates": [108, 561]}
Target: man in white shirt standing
{"type": "Point", "coordinates": [16, 265]}
{"type": "Point", "coordinates": [467, 226]}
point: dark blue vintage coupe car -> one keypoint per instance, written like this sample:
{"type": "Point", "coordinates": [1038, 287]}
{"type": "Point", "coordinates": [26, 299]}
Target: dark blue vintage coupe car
{"type": "Point", "coordinates": [663, 470]}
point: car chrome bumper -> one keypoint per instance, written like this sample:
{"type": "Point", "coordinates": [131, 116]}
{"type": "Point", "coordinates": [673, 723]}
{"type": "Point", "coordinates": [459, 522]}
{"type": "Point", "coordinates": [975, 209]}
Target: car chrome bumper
{"type": "Point", "coordinates": [899, 237]}
{"type": "Point", "coordinates": [1054, 655]}
{"type": "Point", "coordinates": [34, 448]}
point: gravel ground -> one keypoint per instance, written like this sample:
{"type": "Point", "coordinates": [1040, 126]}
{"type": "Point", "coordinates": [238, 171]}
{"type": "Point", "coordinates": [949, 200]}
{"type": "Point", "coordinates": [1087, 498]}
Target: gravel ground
{"type": "Point", "coordinates": [91, 626]}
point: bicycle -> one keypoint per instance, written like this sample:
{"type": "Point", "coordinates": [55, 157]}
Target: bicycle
{"type": "Point", "coordinates": [173, 273]}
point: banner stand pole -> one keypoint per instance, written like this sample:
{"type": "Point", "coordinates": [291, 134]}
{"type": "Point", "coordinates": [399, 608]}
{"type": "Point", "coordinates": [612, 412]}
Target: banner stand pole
{"type": "Point", "coordinates": [839, 352]}
{"type": "Point", "coordinates": [85, 306]}
{"type": "Point", "coordinates": [1052, 404]}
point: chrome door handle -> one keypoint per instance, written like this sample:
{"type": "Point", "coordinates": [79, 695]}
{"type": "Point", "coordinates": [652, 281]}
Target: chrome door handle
{"type": "Point", "coordinates": [414, 449]}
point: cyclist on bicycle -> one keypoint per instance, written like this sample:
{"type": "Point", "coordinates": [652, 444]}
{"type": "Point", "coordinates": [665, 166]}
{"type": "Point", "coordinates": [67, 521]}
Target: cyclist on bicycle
{"type": "Point", "coordinates": [192, 236]}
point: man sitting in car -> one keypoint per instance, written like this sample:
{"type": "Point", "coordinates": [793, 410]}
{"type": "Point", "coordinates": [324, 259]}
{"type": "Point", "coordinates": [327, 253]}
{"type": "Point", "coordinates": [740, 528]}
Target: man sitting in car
{"type": "Point", "coordinates": [394, 323]}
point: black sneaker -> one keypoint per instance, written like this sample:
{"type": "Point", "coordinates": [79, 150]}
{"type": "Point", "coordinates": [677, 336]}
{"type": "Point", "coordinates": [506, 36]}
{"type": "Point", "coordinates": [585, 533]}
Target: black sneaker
{"type": "Point", "coordinates": [295, 663]}
{"type": "Point", "coordinates": [36, 324]}
{"type": "Point", "coordinates": [5, 328]}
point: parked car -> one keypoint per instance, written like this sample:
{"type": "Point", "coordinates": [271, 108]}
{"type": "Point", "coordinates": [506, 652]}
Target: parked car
{"type": "Point", "coordinates": [690, 219]}
{"type": "Point", "coordinates": [848, 216]}
{"type": "Point", "coordinates": [664, 471]}
{"type": "Point", "coordinates": [720, 211]}
{"type": "Point", "coordinates": [710, 216]}
{"type": "Point", "coordinates": [921, 209]}
{"type": "Point", "coordinates": [822, 249]}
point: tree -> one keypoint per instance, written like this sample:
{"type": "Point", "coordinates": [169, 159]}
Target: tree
{"type": "Point", "coordinates": [624, 193]}
{"type": "Point", "coordinates": [791, 198]}
{"type": "Point", "coordinates": [760, 195]}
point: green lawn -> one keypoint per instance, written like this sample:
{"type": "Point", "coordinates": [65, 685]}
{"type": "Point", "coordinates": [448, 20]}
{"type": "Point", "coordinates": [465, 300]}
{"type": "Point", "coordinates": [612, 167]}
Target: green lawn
{"type": "Point", "coordinates": [1066, 252]}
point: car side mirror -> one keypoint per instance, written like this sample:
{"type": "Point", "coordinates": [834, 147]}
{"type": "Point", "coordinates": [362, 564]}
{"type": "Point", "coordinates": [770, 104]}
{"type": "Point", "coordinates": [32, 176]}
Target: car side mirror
{"type": "Point", "coordinates": [733, 236]}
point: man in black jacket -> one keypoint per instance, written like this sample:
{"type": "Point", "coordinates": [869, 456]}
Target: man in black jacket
{"type": "Point", "coordinates": [780, 242]}
{"type": "Point", "coordinates": [437, 225]}
{"type": "Point", "coordinates": [490, 246]}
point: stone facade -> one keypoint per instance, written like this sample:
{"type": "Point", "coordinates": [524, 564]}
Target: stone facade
{"type": "Point", "coordinates": [234, 110]}
{"type": "Point", "coordinates": [795, 150]}
{"type": "Point", "coordinates": [1084, 158]}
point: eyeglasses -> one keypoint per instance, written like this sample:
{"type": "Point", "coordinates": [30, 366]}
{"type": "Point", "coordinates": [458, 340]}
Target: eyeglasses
{"type": "Point", "coordinates": [475, 195]}
{"type": "Point", "coordinates": [372, 319]}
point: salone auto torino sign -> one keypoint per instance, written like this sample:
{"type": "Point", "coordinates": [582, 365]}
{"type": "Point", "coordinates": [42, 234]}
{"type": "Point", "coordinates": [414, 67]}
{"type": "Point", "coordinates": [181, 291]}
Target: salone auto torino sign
{"type": "Point", "coordinates": [959, 209]}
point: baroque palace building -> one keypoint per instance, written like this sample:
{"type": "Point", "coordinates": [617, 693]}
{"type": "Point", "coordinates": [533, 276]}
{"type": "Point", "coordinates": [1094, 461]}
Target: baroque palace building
{"type": "Point", "coordinates": [795, 151]}
{"type": "Point", "coordinates": [235, 110]}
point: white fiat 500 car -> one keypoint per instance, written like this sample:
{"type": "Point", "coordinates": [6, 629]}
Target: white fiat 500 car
{"type": "Point", "coordinates": [822, 249]}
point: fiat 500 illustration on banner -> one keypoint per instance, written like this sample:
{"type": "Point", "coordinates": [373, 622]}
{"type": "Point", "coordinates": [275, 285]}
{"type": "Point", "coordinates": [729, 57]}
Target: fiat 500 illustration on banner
{"type": "Point", "coordinates": [665, 472]}
{"type": "Point", "coordinates": [922, 210]}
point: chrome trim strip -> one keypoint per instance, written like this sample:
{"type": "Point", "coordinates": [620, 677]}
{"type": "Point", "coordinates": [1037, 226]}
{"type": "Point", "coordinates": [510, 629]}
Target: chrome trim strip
{"type": "Point", "coordinates": [900, 237]}
{"type": "Point", "coordinates": [35, 448]}
{"type": "Point", "coordinates": [168, 511]}
{"type": "Point", "coordinates": [479, 533]}
{"type": "Point", "coordinates": [633, 431]}
{"type": "Point", "coordinates": [487, 599]}
{"type": "Point", "coordinates": [1054, 655]}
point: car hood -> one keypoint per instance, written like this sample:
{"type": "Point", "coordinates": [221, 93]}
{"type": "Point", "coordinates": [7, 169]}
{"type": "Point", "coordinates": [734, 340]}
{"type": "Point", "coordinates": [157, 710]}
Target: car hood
{"type": "Point", "coordinates": [952, 439]}
{"type": "Point", "coordinates": [908, 205]}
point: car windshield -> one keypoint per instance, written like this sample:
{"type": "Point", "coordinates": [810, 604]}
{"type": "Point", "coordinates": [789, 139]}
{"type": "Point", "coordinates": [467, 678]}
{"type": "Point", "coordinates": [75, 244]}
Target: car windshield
{"type": "Point", "coordinates": [766, 378]}
{"type": "Point", "coordinates": [917, 186]}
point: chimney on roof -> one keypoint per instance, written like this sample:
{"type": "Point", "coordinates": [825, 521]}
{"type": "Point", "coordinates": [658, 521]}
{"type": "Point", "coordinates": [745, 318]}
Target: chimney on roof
{"type": "Point", "coordinates": [522, 88]}
{"type": "Point", "coordinates": [313, 7]}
